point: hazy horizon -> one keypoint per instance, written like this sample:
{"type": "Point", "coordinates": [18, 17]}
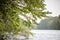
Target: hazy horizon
{"type": "Point", "coordinates": [53, 6]}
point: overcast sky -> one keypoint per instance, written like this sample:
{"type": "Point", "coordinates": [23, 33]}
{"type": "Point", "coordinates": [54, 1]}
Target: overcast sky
{"type": "Point", "coordinates": [53, 6]}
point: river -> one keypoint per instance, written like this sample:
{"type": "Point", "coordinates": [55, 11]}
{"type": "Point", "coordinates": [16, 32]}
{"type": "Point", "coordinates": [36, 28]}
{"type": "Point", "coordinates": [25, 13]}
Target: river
{"type": "Point", "coordinates": [44, 35]}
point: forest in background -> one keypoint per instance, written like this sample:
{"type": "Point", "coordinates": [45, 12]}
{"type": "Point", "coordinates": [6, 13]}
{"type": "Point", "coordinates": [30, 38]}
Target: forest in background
{"type": "Point", "coordinates": [51, 23]}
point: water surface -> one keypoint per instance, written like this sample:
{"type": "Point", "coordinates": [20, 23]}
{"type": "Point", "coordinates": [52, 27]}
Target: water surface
{"type": "Point", "coordinates": [44, 35]}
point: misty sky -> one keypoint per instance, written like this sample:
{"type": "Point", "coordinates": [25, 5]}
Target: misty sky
{"type": "Point", "coordinates": [53, 6]}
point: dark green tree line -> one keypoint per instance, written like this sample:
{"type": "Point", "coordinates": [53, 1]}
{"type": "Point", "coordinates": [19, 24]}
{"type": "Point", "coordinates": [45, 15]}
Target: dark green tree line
{"type": "Point", "coordinates": [52, 23]}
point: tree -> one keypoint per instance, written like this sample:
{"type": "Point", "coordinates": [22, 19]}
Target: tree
{"type": "Point", "coordinates": [52, 23]}
{"type": "Point", "coordinates": [12, 11]}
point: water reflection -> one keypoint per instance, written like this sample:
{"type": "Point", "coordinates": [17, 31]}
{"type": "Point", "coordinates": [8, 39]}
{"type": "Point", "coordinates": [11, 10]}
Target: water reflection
{"type": "Point", "coordinates": [44, 35]}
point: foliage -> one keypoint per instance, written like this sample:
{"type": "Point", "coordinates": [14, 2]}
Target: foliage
{"type": "Point", "coordinates": [12, 11]}
{"type": "Point", "coordinates": [52, 23]}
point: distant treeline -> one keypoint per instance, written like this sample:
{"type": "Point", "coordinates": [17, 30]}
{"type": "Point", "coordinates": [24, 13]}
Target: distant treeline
{"type": "Point", "coordinates": [51, 23]}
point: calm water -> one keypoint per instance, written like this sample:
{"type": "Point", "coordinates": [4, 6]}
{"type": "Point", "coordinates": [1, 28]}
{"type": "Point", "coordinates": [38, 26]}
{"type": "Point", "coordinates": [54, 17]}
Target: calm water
{"type": "Point", "coordinates": [43, 35]}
